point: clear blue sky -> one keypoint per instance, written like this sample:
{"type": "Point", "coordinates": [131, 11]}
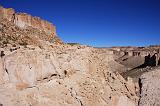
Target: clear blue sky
{"type": "Point", "coordinates": [98, 22]}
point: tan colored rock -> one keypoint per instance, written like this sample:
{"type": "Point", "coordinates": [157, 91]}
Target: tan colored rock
{"type": "Point", "coordinates": [15, 35]}
{"type": "Point", "coordinates": [25, 71]}
{"type": "Point", "coordinates": [1, 71]}
{"type": "Point", "coordinates": [124, 101]}
{"type": "Point", "coordinates": [63, 75]}
{"type": "Point", "coordinates": [24, 21]}
{"type": "Point", "coordinates": [150, 88]}
{"type": "Point", "coordinates": [7, 13]}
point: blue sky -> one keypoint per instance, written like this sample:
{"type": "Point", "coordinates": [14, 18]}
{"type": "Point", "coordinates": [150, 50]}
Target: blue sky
{"type": "Point", "coordinates": [101, 23]}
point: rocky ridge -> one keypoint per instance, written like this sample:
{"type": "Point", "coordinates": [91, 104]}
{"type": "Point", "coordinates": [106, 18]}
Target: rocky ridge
{"type": "Point", "coordinates": [62, 75]}
{"type": "Point", "coordinates": [23, 20]}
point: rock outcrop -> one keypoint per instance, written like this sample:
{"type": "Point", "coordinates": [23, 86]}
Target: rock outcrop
{"type": "Point", "coordinates": [137, 57]}
{"type": "Point", "coordinates": [62, 75]}
{"type": "Point", "coordinates": [12, 34]}
{"type": "Point", "coordinates": [24, 21]}
{"type": "Point", "coordinates": [150, 88]}
{"type": "Point", "coordinates": [7, 13]}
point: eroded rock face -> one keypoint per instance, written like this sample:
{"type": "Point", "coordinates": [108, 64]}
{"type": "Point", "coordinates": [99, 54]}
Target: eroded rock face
{"type": "Point", "coordinates": [150, 88]}
{"type": "Point", "coordinates": [24, 20]}
{"type": "Point", "coordinates": [7, 13]}
{"type": "Point", "coordinates": [62, 75]}
{"type": "Point", "coordinates": [12, 34]}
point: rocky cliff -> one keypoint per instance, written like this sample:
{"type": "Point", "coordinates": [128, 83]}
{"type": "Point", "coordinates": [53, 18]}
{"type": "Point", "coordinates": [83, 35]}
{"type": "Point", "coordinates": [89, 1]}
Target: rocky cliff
{"type": "Point", "coordinates": [24, 20]}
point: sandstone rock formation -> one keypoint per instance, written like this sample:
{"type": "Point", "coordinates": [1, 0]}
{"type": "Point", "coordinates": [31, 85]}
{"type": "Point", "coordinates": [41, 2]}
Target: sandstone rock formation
{"type": "Point", "coordinates": [137, 59]}
{"type": "Point", "coordinates": [62, 75]}
{"type": "Point", "coordinates": [7, 13]}
{"type": "Point", "coordinates": [11, 34]}
{"type": "Point", "coordinates": [150, 88]}
{"type": "Point", "coordinates": [24, 20]}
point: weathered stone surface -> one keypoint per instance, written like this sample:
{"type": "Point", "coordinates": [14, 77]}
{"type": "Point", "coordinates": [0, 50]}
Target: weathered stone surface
{"type": "Point", "coordinates": [11, 34]}
{"type": "Point", "coordinates": [7, 13]}
{"type": "Point", "coordinates": [136, 56]}
{"type": "Point", "coordinates": [150, 88]}
{"type": "Point", "coordinates": [124, 101]}
{"type": "Point", "coordinates": [134, 61]}
{"type": "Point", "coordinates": [62, 75]}
{"type": "Point", "coordinates": [24, 21]}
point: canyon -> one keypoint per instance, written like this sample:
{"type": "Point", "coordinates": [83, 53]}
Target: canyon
{"type": "Point", "coordinates": [38, 69]}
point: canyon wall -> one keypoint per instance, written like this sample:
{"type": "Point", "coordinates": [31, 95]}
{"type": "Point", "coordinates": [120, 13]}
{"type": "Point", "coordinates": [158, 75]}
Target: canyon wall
{"type": "Point", "coordinates": [24, 21]}
{"type": "Point", "coordinates": [7, 13]}
{"type": "Point", "coordinates": [148, 56]}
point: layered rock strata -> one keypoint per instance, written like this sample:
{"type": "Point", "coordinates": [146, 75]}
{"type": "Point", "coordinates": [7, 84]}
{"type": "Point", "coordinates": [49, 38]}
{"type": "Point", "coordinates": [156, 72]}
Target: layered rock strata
{"type": "Point", "coordinates": [24, 21]}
